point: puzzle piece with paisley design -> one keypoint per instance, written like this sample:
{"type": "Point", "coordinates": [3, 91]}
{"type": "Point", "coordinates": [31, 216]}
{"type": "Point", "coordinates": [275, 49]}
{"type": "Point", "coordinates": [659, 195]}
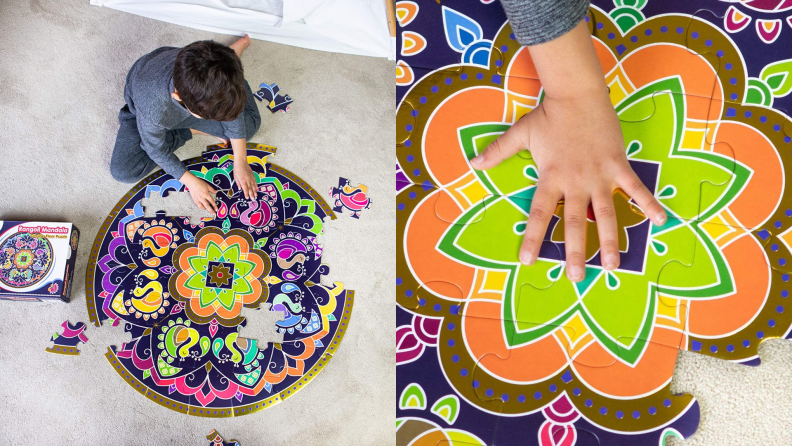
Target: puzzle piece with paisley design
{"type": "Point", "coordinates": [215, 439]}
{"type": "Point", "coordinates": [269, 93]}
{"type": "Point", "coordinates": [352, 198]}
{"type": "Point", "coordinates": [66, 343]}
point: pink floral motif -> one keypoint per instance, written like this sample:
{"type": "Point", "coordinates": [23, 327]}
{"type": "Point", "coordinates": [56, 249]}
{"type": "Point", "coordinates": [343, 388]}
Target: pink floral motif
{"type": "Point", "coordinates": [412, 339]}
{"type": "Point", "coordinates": [558, 430]}
{"type": "Point", "coordinates": [408, 347]}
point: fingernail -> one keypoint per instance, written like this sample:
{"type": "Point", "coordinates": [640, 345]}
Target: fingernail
{"type": "Point", "coordinates": [526, 258]}
{"type": "Point", "coordinates": [610, 261]}
{"type": "Point", "coordinates": [477, 160]}
{"type": "Point", "coordinates": [576, 273]}
{"type": "Point", "coordinates": [661, 218]}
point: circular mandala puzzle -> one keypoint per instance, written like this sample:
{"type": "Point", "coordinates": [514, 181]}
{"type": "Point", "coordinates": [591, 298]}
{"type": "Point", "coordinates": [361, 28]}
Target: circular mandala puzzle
{"type": "Point", "coordinates": [181, 287]}
{"type": "Point", "coordinates": [25, 259]}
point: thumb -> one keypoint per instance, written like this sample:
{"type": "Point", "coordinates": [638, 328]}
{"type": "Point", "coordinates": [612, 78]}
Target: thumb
{"type": "Point", "coordinates": [508, 144]}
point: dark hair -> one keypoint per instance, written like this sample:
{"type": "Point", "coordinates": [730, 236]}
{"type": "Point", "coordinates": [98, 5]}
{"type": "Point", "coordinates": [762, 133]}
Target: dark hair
{"type": "Point", "coordinates": [209, 80]}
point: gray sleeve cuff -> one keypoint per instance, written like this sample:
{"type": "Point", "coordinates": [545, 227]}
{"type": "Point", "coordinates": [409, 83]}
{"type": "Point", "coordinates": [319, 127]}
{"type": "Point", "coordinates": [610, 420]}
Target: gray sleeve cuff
{"type": "Point", "coordinates": [175, 170]}
{"type": "Point", "coordinates": [155, 142]}
{"type": "Point", "coordinates": [235, 129]}
{"type": "Point", "coordinates": [539, 21]}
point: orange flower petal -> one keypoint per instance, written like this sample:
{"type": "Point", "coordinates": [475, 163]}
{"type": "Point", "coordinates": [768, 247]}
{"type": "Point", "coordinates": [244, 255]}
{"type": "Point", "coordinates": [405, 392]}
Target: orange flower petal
{"type": "Point", "coordinates": [718, 317]}
{"type": "Point", "coordinates": [443, 154]}
{"type": "Point", "coordinates": [651, 63]}
{"type": "Point", "coordinates": [651, 373]}
{"type": "Point", "coordinates": [436, 271]}
{"type": "Point", "coordinates": [763, 192]}
{"type": "Point", "coordinates": [484, 336]}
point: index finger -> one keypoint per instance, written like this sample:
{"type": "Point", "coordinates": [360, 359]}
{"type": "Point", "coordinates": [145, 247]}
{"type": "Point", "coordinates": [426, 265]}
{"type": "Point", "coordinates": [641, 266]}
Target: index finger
{"type": "Point", "coordinates": [542, 210]}
{"type": "Point", "coordinates": [211, 204]}
{"type": "Point", "coordinates": [635, 188]}
{"type": "Point", "coordinates": [508, 144]}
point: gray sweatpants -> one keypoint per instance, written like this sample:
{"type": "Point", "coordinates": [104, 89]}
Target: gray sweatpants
{"type": "Point", "coordinates": [130, 163]}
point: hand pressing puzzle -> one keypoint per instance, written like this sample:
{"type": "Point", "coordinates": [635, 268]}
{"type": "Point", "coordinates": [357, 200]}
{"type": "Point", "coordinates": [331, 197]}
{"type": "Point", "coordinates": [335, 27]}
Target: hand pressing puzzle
{"type": "Point", "coordinates": [490, 351]}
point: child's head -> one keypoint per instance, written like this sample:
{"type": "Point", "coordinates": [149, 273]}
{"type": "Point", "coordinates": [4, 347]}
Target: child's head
{"type": "Point", "coordinates": [209, 80]}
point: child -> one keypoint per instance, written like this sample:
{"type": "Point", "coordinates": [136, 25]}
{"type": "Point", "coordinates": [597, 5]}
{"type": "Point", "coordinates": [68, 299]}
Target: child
{"type": "Point", "coordinates": [174, 93]}
{"type": "Point", "coordinates": [574, 135]}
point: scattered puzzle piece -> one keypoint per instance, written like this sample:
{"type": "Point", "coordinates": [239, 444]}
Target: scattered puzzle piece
{"type": "Point", "coordinates": [66, 343]}
{"type": "Point", "coordinates": [176, 204]}
{"type": "Point", "coordinates": [352, 198]}
{"type": "Point", "coordinates": [275, 102]}
{"type": "Point", "coordinates": [215, 439]}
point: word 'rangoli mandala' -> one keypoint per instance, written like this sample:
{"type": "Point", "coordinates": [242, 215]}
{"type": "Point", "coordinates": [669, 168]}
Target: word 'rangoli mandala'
{"type": "Point", "coordinates": [180, 287]}
{"type": "Point", "coordinates": [490, 351]}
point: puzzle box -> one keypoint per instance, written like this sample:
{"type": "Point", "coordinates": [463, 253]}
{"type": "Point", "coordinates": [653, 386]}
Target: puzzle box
{"type": "Point", "coordinates": [37, 260]}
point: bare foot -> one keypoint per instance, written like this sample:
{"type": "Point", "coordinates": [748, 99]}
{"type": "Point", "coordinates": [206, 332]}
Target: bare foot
{"type": "Point", "coordinates": [240, 45]}
{"type": "Point", "coordinates": [198, 132]}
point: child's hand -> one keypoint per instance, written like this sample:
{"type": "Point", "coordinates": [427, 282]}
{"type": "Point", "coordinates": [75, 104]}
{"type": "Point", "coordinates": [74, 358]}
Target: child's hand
{"type": "Point", "coordinates": [200, 191]}
{"type": "Point", "coordinates": [246, 180]}
{"type": "Point", "coordinates": [579, 150]}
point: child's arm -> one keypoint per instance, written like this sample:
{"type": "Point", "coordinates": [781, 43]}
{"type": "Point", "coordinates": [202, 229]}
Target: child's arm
{"type": "Point", "coordinates": [154, 142]}
{"type": "Point", "coordinates": [200, 191]}
{"type": "Point", "coordinates": [243, 174]}
{"type": "Point", "coordinates": [576, 141]}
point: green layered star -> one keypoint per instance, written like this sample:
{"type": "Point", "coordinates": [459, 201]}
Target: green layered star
{"type": "Point", "coordinates": [208, 290]}
{"type": "Point", "coordinates": [619, 310]}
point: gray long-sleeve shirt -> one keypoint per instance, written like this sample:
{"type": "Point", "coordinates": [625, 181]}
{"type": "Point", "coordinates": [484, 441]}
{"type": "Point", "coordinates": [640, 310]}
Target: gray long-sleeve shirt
{"type": "Point", "coordinates": [149, 85]}
{"type": "Point", "coordinates": [539, 21]}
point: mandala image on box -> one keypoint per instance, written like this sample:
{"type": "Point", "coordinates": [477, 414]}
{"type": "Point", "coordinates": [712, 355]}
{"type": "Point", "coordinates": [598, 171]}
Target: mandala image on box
{"type": "Point", "coordinates": [25, 259]}
{"type": "Point", "coordinates": [480, 336]}
{"type": "Point", "coordinates": [180, 288]}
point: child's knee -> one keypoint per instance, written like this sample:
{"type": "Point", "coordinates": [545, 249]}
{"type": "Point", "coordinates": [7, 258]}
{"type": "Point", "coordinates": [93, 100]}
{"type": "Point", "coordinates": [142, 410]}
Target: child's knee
{"type": "Point", "coordinates": [123, 175]}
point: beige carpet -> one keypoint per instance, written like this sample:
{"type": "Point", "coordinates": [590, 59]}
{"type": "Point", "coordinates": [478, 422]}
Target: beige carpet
{"type": "Point", "coordinates": [62, 70]}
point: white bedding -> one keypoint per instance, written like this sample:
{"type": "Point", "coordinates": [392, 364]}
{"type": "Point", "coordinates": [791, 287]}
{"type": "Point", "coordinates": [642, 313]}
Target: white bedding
{"type": "Point", "coordinates": [343, 26]}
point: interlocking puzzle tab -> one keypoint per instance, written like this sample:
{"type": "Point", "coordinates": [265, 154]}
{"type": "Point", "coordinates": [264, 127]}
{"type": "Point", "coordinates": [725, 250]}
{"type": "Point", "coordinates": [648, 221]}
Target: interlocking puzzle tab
{"type": "Point", "coordinates": [275, 102]}
{"type": "Point", "coordinates": [352, 198]}
{"type": "Point", "coordinates": [66, 343]}
{"type": "Point", "coordinates": [176, 204]}
{"type": "Point", "coordinates": [215, 439]}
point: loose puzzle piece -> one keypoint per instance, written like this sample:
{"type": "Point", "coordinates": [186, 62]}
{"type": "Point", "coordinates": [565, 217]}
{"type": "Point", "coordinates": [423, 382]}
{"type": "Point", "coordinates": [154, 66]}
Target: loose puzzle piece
{"type": "Point", "coordinates": [352, 198]}
{"type": "Point", "coordinates": [275, 102]}
{"type": "Point", "coordinates": [261, 324]}
{"type": "Point", "coordinates": [66, 343]}
{"type": "Point", "coordinates": [176, 204]}
{"type": "Point", "coordinates": [215, 439]}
